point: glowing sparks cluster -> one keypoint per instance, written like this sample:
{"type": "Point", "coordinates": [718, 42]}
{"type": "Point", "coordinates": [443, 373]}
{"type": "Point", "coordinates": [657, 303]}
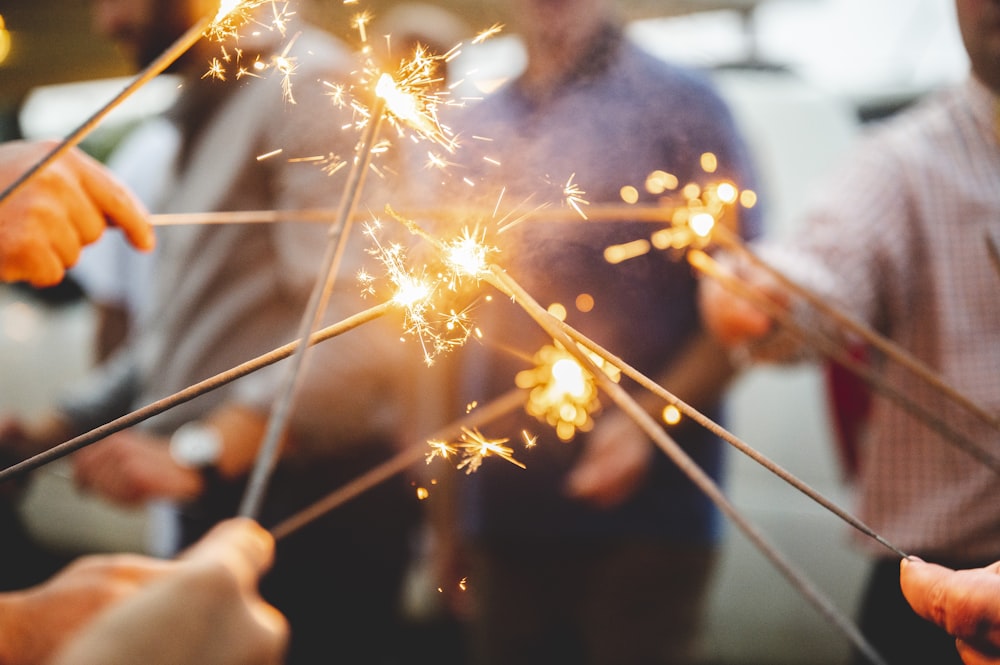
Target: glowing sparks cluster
{"type": "Point", "coordinates": [411, 94]}
{"type": "Point", "coordinates": [232, 18]}
{"type": "Point", "coordinates": [425, 294]}
{"type": "Point", "coordinates": [471, 449]}
{"type": "Point", "coordinates": [561, 392]}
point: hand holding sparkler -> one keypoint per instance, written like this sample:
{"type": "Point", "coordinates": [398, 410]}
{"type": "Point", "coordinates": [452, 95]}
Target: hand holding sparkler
{"type": "Point", "coordinates": [732, 319]}
{"type": "Point", "coordinates": [45, 225]}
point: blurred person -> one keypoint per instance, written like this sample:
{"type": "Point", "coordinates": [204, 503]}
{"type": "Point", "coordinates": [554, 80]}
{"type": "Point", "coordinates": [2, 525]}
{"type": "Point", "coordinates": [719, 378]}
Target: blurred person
{"type": "Point", "coordinates": [223, 294]}
{"type": "Point", "coordinates": [113, 609]}
{"type": "Point", "coordinates": [898, 239]}
{"type": "Point", "coordinates": [601, 550]}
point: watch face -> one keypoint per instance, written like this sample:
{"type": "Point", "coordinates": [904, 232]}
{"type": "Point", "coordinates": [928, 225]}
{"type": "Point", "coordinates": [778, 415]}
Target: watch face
{"type": "Point", "coordinates": [195, 446]}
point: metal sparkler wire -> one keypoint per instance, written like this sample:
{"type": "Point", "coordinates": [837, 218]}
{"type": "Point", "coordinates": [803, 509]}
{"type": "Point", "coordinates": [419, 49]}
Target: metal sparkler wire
{"type": "Point", "coordinates": [705, 264]}
{"type": "Point", "coordinates": [397, 463]}
{"type": "Point", "coordinates": [191, 392]}
{"type": "Point", "coordinates": [339, 232]}
{"type": "Point", "coordinates": [507, 285]}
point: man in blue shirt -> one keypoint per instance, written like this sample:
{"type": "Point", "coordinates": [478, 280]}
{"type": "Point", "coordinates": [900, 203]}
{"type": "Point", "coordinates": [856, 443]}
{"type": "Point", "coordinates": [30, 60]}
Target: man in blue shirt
{"type": "Point", "coordinates": [600, 551]}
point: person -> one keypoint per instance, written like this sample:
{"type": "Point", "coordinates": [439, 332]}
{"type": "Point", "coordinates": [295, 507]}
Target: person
{"type": "Point", "coordinates": [68, 204]}
{"type": "Point", "coordinates": [963, 602]}
{"type": "Point", "coordinates": [601, 550]}
{"type": "Point", "coordinates": [897, 239]}
{"type": "Point", "coordinates": [223, 294]}
{"type": "Point", "coordinates": [113, 609]}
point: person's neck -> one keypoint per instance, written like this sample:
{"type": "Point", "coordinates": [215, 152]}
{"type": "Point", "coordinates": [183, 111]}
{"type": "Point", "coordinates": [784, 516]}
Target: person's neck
{"type": "Point", "coordinates": [551, 62]}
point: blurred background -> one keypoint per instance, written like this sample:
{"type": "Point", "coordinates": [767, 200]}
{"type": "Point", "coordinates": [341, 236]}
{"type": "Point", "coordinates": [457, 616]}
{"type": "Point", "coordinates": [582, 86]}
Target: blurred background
{"type": "Point", "coordinates": [802, 77]}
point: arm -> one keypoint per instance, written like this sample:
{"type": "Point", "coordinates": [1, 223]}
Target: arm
{"type": "Point", "coordinates": [63, 207]}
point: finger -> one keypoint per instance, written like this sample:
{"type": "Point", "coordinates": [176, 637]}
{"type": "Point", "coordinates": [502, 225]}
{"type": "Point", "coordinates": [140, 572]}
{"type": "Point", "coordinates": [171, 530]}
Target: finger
{"type": "Point", "coordinates": [118, 204]}
{"type": "Point", "coordinates": [240, 544]}
{"type": "Point", "coordinates": [273, 635]}
{"type": "Point", "coordinates": [972, 656]}
{"type": "Point", "coordinates": [962, 602]}
{"type": "Point", "coordinates": [35, 263]}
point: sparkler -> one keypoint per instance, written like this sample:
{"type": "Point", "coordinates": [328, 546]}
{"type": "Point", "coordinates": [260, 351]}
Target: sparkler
{"type": "Point", "coordinates": [191, 392]}
{"type": "Point", "coordinates": [595, 214]}
{"type": "Point", "coordinates": [509, 286]}
{"type": "Point", "coordinates": [222, 24]}
{"type": "Point", "coordinates": [401, 101]}
{"type": "Point", "coordinates": [339, 231]}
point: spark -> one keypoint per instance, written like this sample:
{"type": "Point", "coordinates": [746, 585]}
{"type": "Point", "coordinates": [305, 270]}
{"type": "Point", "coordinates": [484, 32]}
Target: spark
{"type": "Point", "coordinates": [489, 32]}
{"type": "Point", "coordinates": [475, 447]}
{"type": "Point", "coordinates": [574, 196]}
{"type": "Point", "coordinates": [425, 295]}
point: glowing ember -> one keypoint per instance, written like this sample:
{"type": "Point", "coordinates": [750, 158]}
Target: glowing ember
{"type": "Point", "coordinates": [562, 393]}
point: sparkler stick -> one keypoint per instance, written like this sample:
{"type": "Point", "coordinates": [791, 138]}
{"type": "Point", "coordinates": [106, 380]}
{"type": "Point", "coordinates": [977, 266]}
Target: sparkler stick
{"type": "Point", "coordinates": [630, 407]}
{"type": "Point", "coordinates": [831, 348]}
{"type": "Point", "coordinates": [339, 232]}
{"type": "Point", "coordinates": [190, 393]}
{"type": "Point", "coordinates": [481, 415]}
{"type": "Point", "coordinates": [994, 250]}
{"type": "Point", "coordinates": [155, 68]}
{"type": "Point", "coordinates": [729, 240]}
{"type": "Point", "coordinates": [322, 215]}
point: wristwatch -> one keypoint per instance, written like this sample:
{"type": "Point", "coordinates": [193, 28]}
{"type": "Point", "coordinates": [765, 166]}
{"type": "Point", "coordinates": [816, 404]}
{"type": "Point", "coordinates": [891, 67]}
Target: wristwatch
{"type": "Point", "coordinates": [196, 446]}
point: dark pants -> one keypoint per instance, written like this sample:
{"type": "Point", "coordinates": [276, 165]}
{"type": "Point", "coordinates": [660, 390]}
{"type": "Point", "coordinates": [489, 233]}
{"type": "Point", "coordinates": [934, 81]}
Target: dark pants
{"type": "Point", "coordinates": [612, 604]}
{"type": "Point", "coordinates": [898, 634]}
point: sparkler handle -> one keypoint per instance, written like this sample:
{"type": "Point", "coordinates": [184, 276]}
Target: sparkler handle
{"type": "Point", "coordinates": [155, 68]}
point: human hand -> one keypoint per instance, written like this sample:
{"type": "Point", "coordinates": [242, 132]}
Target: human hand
{"type": "Point", "coordinates": [966, 603]}
{"type": "Point", "coordinates": [614, 462]}
{"type": "Point", "coordinates": [35, 623]}
{"type": "Point", "coordinates": [66, 205]}
{"type": "Point", "coordinates": [204, 608]}
{"type": "Point", "coordinates": [732, 319]}
{"type": "Point", "coordinates": [131, 467]}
